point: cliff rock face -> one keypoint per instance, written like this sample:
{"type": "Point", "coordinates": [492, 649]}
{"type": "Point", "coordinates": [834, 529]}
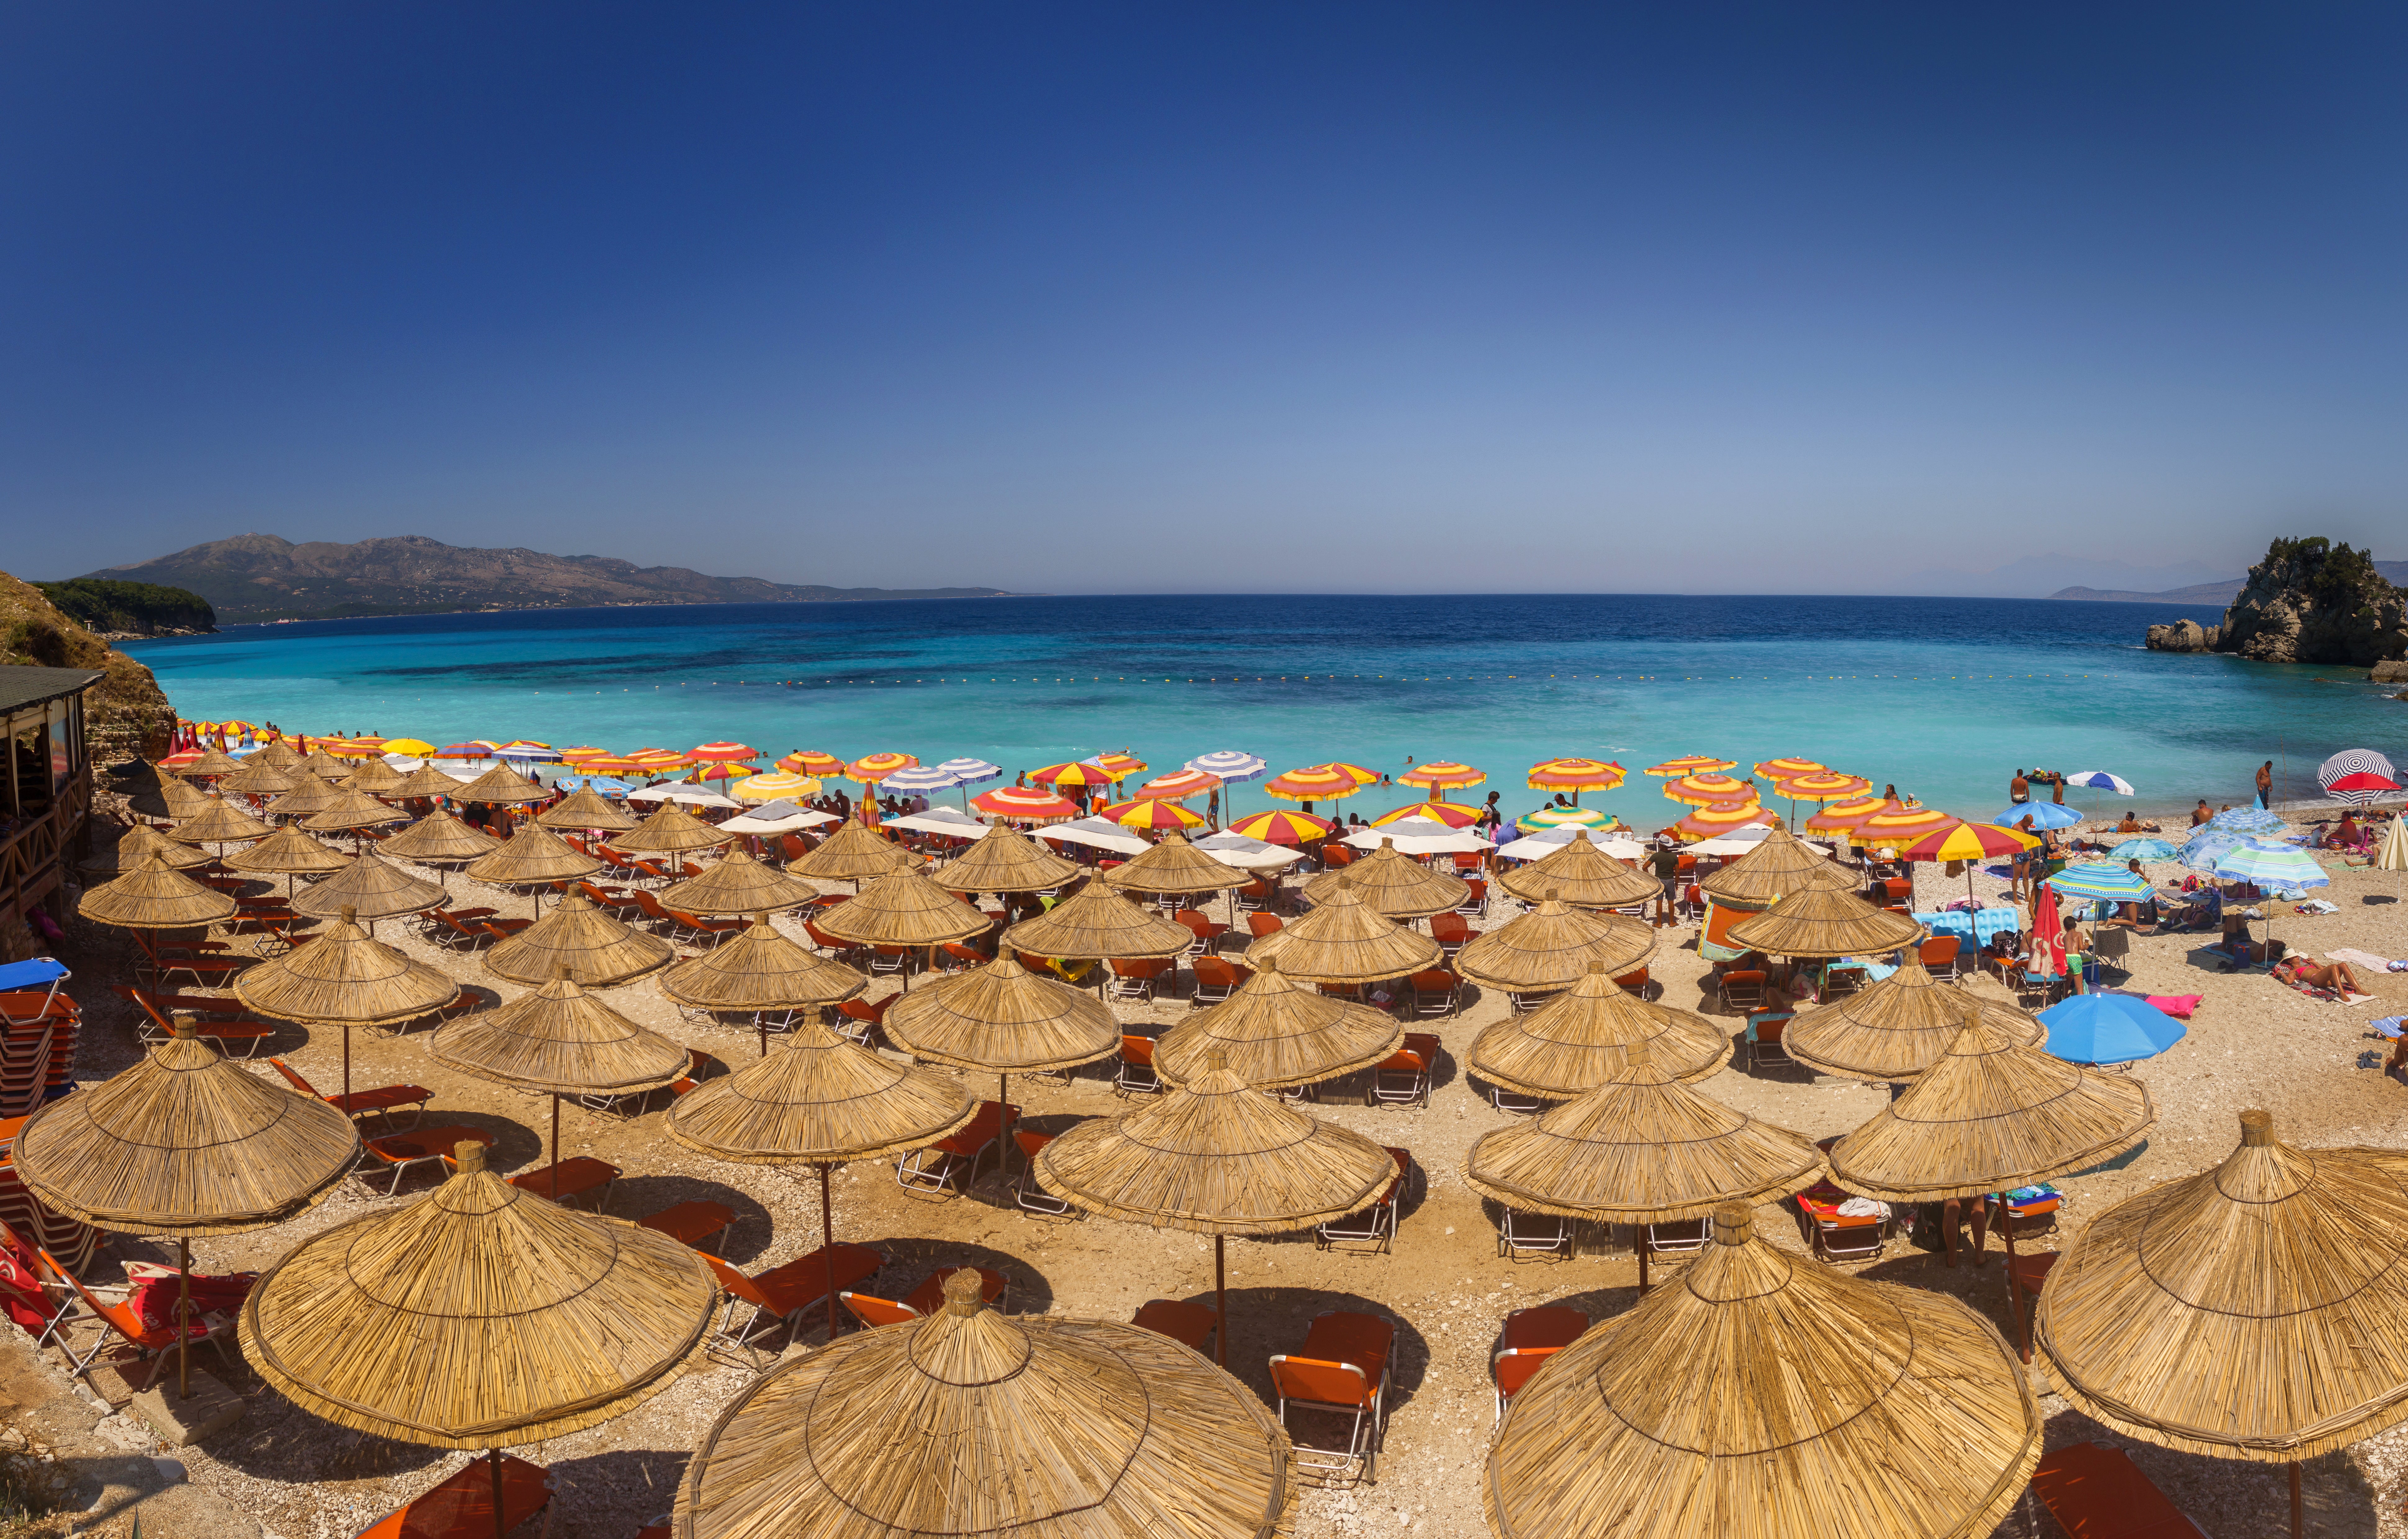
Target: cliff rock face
{"type": "Point", "coordinates": [124, 715]}
{"type": "Point", "coordinates": [2388, 673]}
{"type": "Point", "coordinates": [2183, 636]}
{"type": "Point", "coordinates": [2310, 601]}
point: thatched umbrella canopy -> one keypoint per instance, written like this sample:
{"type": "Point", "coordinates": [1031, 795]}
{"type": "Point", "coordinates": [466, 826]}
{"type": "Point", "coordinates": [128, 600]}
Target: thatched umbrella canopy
{"type": "Point", "coordinates": [438, 839]}
{"type": "Point", "coordinates": [377, 778]}
{"type": "Point", "coordinates": [261, 780]}
{"type": "Point", "coordinates": [821, 1101]}
{"type": "Point", "coordinates": [1551, 946]}
{"type": "Point", "coordinates": [672, 830]}
{"type": "Point", "coordinates": [1217, 1157]}
{"type": "Point", "coordinates": [1393, 884]}
{"type": "Point", "coordinates": [587, 808]}
{"type": "Point", "coordinates": [424, 783]}
{"type": "Point", "coordinates": [1099, 923]}
{"type": "Point", "coordinates": [1897, 1028]}
{"type": "Point", "coordinates": [760, 970]}
{"type": "Point", "coordinates": [370, 887]}
{"type": "Point", "coordinates": [148, 895]}
{"type": "Point", "coordinates": [344, 978]}
{"type": "Point", "coordinates": [478, 1315]}
{"type": "Point", "coordinates": [141, 839]}
{"type": "Point", "coordinates": [905, 908]}
{"type": "Point", "coordinates": [172, 798]}
{"type": "Point", "coordinates": [599, 951]}
{"type": "Point", "coordinates": [1004, 1019]}
{"type": "Point", "coordinates": [2251, 1311]}
{"type": "Point", "coordinates": [855, 853]}
{"type": "Point", "coordinates": [288, 852]}
{"type": "Point", "coordinates": [1272, 1033]}
{"type": "Point", "coordinates": [1822, 921]}
{"type": "Point", "coordinates": [221, 822]}
{"type": "Point", "coordinates": [969, 1422]}
{"type": "Point", "coordinates": [1582, 1036]}
{"type": "Point", "coordinates": [1173, 866]}
{"type": "Point", "coordinates": [529, 857]}
{"type": "Point", "coordinates": [352, 809]}
{"type": "Point", "coordinates": [1641, 1148]}
{"type": "Point", "coordinates": [1004, 859]}
{"type": "Point", "coordinates": [277, 753]}
{"type": "Point", "coordinates": [501, 785]}
{"type": "Point", "coordinates": [214, 762]}
{"type": "Point", "coordinates": [738, 884]}
{"type": "Point", "coordinates": [1763, 1391]}
{"type": "Point", "coordinates": [1345, 940]}
{"type": "Point", "coordinates": [1581, 875]}
{"type": "Point", "coordinates": [1779, 865]}
{"type": "Point", "coordinates": [560, 1040]}
{"type": "Point", "coordinates": [308, 797]}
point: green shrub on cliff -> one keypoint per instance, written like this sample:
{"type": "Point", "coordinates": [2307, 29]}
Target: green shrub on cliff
{"type": "Point", "coordinates": [141, 609]}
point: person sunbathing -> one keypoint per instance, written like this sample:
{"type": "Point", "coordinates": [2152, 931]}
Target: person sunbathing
{"type": "Point", "coordinates": [2307, 972]}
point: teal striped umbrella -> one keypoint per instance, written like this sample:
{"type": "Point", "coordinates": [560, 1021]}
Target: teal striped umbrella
{"type": "Point", "coordinates": [2279, 868]}
{"type": "Point", "coordinates": [2102, 879]}
{"type": "Point", "coordinates": [1564, 817]}
{"type": "Point", "coordinates": [2142, 849]}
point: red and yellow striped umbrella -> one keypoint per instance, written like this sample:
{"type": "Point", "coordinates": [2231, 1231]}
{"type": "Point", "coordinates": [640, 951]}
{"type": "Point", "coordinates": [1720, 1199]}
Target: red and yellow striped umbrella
{"type": "Point", "coordinates": [723, 753]}
{"type": "Point", "coordinates": [353, 748]}
{"type": "Point", "coordinates": [722, 771]}
{"type": "Point", "coordinates": [1439, 774]}
{"type": "Point", "coordinates": [1178, 786]}
{"type": "Point", "coordinates": [873, 767]}
{"type": "Point", "coordinates": [811, 761]}
{"type": "Point", "coordinates": [579, 754]}
{"type": "Point", "coordinates": [1024, 804]}
{"type": "Point", "coordinates": [1706, 789]}
{"type": "Point", "coordinates": [1900, 828]}
{"type": "Point", "coordinates": [1151, 812]}
{"type": "Point", "coordinates": [1839, 817]}
{"type": "Point", "coordinates": [1789, 768]}
{"type": "Point", "coordinates": [1454, 815]}
{"type": "Point", "coordinates": [1316, 782]}
{"type": "Point", "coordinates": [1829, 786]}
{"type": "Point", "coordinates": [1120, 766]}
{"type": "Point", "coordinates": [1691, 763]}
{"type": "Point", "coordinates": [1360, 775]}
{"type": "Point", "coordinates": [1075, 775]}
{"type": "Point", "coordinates": [1576, 775]}
{"type": "Point", "coordinates": [660, 761]}
{"type": "Point", "coordinates": [1289, 828]}
{"type": "Point", "coordinates": [613, 764]}
{"type": "Point", "coordinates": [1970, 842]}
{"type": "Point", "coordinates": [1721, 818]}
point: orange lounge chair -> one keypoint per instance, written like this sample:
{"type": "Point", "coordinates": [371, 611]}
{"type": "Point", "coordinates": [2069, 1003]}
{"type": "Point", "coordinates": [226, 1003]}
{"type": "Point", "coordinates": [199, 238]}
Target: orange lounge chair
{"type": "Point", "coordinates": [1764, 1033]}
{"type": "Point", "coordinates": [697, 1064]}
{"type": "Point", "coordinates": [1450, 930]}
{"type": "Point", "coordinates": [1513, 1367]}
{"type": "Point", "coordinates": [1216, 978]}
{"type": "Point", "coordinates": [463, 1506]}
{"type": "Point", "coordinates": [568, 1181]}
{"type": "Point", "coordinates": [1835, 1236]}
{"type": "Point", "coordinates": [1025, 1189]}
{"type": "Point", "coordinates": [223, 1021]}
{"type": "Point", "coordinates": [1343, 1368]}
{"type": "Point", "coordinates": [1135, 1072]}
{"type": "Point", "coordinates": [925, 1300]}
{"type": "Point", "coordinates": [1207, 930]}
{"type": "Point", "coordinates": [382, 1102]}
{"type": "Point", "coordinates": [1135, 978]}
{"type": "Point", "coordinates": [1435, 991]}
{"type": "Point", "coordinates": [784, 1294]}
{"type": "Point", "coordinates": [1260, 925]}
{"type": "Point", "coordinates": [2097, 1492]}
{"type": "Point", "coordinates": [116, 1320]}
{"type": "Point", "coordinates": [953, 1163]}
{"type": "Point", "coordinates": [691, 1222]}
{"type": "Point", "coordinates": [1377, 1223]}
{"type": "Point", "coordinates": [401, 1153]}
{"type": "Point", "coordinates": [866, 1014]}
{"type": "Point", "coordinates": [1404, 1076]}
{"type": "Point", "coordinates": [1742, 989]}
{"type": "Point", "coordinates": [1190, 1324]}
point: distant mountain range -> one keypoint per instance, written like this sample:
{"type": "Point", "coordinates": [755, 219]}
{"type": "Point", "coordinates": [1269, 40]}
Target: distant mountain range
{"type": "Point", "coordinates": [264, 577]}
{"type": "Point", "coordinates": [2219, 593]}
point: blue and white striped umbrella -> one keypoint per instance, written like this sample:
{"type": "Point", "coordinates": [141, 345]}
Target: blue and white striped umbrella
{"type": "Point", "coordinates": [2278, 866]}
{"type": "Point", "coordinates": [2248, 820]}
{"type": "Point", "coordinates": [2143, 849]}
{"type": "Point", "coordinates": [2206, 847]}
{"type": "Point", "coordinates": [919, 780]}
{"type": "Point", "coordinates": [1229, 765]}
{"type": "Point", "coordinates": [970, 772]}
{"type": "Point", "coordinates": [2100, 780]}
{"type": "Point", "coordinates": [2100, 878]}
{"type": "Point", "coordinates": [2043, 815]}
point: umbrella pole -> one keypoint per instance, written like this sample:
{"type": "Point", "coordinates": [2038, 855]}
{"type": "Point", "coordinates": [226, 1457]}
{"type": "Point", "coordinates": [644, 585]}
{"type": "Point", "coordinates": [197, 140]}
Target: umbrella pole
{"type": "Point", "coordinates": [2295, 1499]}
{"type": "Point", "coordinates": [828, 1246]}
{"type": "Point", "coordinates": [346, 1068]}
{"type": "Point", "coordinates": [2014, 1283]}
{"type": "Point", "coordinates": [1643, 1258]}
{"type": "Point", "coordinates": [1221, 1299]}
{"type": "Point", "coordinates": [493, 1462]}
{"type": "Point", "coordinates": [184, 1321]}
{"type": "Point", "coordinates": [1003, 1104]}
{"type": "Point", "coordinates": [555, 1146]}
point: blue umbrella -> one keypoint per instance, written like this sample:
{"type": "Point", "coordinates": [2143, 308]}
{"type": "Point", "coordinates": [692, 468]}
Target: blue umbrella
{"type": "Point", "coordinates": [2043, 815]}
{"type": "Point", "coordinates": [2100, 780]}
{"type": "Point", "coordinates": [602, 783]}
{"type": "Point", "coordinates": [2100, 878]}
{"type": "Point", "coordinates": [2109, 1028]}
{"type": "Point", "coordinates": [2143, 849]}
{"type": "Point", "coordinates": [2248, 820]}
{"type": "Point", "coordinates": [919, 780]}
{"type": "Point", "coordinates": [970, 772]}
{"type": "Point", "coordinates": [2206, 847]}
{"type": "Point", "coordinates": [1232, 766]}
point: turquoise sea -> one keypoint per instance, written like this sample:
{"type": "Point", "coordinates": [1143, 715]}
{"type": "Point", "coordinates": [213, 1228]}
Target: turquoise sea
{"type": "Point", "coordinates": [1944, 697]}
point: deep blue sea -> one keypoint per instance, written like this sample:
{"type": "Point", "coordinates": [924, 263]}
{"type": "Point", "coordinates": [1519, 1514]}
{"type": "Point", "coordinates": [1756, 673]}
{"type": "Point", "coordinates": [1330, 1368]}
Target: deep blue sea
{"type": "Point", "coordinates": [1942, 697]}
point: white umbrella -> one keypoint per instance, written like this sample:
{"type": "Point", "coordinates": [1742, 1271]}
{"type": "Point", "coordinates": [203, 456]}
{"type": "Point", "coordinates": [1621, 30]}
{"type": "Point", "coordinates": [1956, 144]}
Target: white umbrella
{"type": "Point", "coordinates": [777, 818]}
{"type": "Point", "coordinates": [692, 796]}
{"type": "Point", "coordinates": [1419, 835]}
{"type": "Point", "coordinates": [942, 820]}
{"type": "Point", "coordinates": [1539, 846]}
{"type": "Point", "coordinates": [1231, 767]}
{"type": "Point", "coordinates": [970, 772]}
{"type": "Point", "coordinates": [1096, 833]}
{"type": "Point", "coordinates": [1252, 853]}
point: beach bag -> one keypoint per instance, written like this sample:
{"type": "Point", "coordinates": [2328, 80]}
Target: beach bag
{"type": "Point", "coordinates": [155, 1293]}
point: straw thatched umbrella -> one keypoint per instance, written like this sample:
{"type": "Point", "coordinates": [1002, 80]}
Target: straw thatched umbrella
{"type": "Point", "coordinates": [440, 840]}
{"type": "Point", "coordinates": [1762, 1392]}
{"type": "Point", "coordinates": [344, 978]}
{"type": "Point", "coordinates": [478, 1315]}
{"type": "Point", "coordinates": [824, 1102]}
{"type": "Point", "coordinates": [2251, 1311]}
{"type": "Point", "coordinates": [352, 810]}
{"type": "Point", "coordinates": [1897, 1028]}
{"type": "Point", "coordinates": [738, 885]}
{"type": "Point", "coordinates": [1581, 875]}
{"type": "Point", "coordinates": [308, 798]}
{"type": "Point", "coordinates": [171, 798]}
{"type": "Point", "coordinates": [142, 840]}
{"type": "Point", "coordinates": [288, 853]}
{"type": "Point", "coordinates": [325, 766]}
{"type": "Point", "coordinates": [184, 1145]}
{"type": "Point", "coordinates": [501, 786]}
{"type": "Point", "coordinates": [672, 830]}
{"type": "Point", "coordinates": [219, 823]}
{"type": "Point", "coordinates": [1820, 922]}
{"type": "Point", "coordinates": [370, 887]}
{"type": "Point", "coordinates": [261, 780]}
{"type": "Point", "coordinates": [1580, 1039]}
{"type": "Point", "coordinates": [1003, 860]}
{"type": "Point", "coordinates": [376, 777]}
{"type": "Point", "coordinates": [531, 857]}
{"type": "Point", "coordinates": [1990, 1115]}
{"type": "Point", "coordinates": [1099, 924]}
{"type": "Point", "coordinates": [1218, 1158]}
{"type": "Point", "coordinates": [1343, 940]}
{"type": "Point", "coordinates": [760, 970]}
{"type": "Point", "coordinates": [587, 808]}
{"type": "Point", "coordinates": [1551, 946]}
{"type": "Point", "coordinates": [1781, 864]}
{"type": "Point", "coordinates": [1175, 866]}
{"type": "Point", "coordinates": [970, 1422]}
{"type": "Point", "coordinates": [1273, 1033]}
{"type": "Point", "coordinates": [147, 895]}
{"type": "Point", "coordinates": [423, 783]}
{"type": "Point", "coordinates": [560, 1040]}
{"type": "Point", "coordinates": [1393, 884]}
{"type": "Point", "coordinates": [277, 753]}
{"type": "Point", "coordinates": [214, 762]}
{"type": "Point", "coordinates": [855, 853]}
{"type": "Point", "coordinates": [598, 950]}
{"type": "Point", "coordinates": [905, 908]}
{"type": "Point", "coordinates": [1642, 1148]}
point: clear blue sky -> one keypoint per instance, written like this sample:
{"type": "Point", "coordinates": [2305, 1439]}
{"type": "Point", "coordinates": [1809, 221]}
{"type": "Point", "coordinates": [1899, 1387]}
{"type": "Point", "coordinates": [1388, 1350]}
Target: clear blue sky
{"type": "Point", "coordinates": [1128, 297]}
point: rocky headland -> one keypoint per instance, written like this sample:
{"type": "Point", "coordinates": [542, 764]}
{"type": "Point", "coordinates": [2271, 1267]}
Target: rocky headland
{"type": "Point", "coordinates": [128, 714]}
{"type": "Point", "coordinates": [2308, 601]}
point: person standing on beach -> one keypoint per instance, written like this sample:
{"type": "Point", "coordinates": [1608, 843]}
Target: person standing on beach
{"type": "Point", "coordinates": [2265, 784]}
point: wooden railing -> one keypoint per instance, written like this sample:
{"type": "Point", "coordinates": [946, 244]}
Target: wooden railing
{"type": "Point", "coordinates": [33, 856]}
